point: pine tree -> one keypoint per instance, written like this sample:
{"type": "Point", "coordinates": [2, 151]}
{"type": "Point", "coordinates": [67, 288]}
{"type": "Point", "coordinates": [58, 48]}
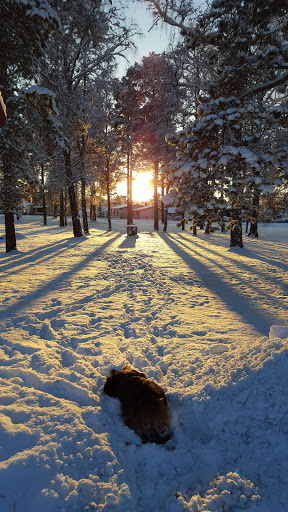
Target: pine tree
{"type": "Point", "coordinates": [25, 28]}
{"type": "Point", "coordinates": [158, 100]}
{"type": "Point", "coordinates": [231, 148]}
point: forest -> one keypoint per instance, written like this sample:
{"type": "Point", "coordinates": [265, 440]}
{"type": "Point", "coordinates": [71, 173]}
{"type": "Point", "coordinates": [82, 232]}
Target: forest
{"type": "Point", "coordinates": [209, 115]}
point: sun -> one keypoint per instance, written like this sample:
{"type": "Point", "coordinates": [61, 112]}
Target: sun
{"type": "Point", "coordinates": [142, 188]}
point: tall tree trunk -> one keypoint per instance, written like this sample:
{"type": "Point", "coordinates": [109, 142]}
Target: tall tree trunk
{"type": "Point", "coordinates": [208, 227]}
{"type": "Point", "coordinates": [83, 206]}
{"type": "Point", "coordinates": [162, 204]}
{"type": "Point", "coordinates": [253, 229]}
{"type": "Point", "coordinates": [43, 197]}
{"type": "Point", "coordinates": [183, 223]}
{"type": "Point", "coordinates": [77, 230]}
{"type": "Point", "coordinates": [254, 220]}
{"type": "Point", "coordinates": [129, 191]}
{"type": "Point", "coordinates": [109, 199]}
{"type": "Point", "coordinates": [156, 218]}
{"type": "Point", "coordinates": [10, 232]}
{"type": "Point", "coordinates": [165, 220]}
{"type": "Point", "coordinates": [61, 209]}
{"type": "Point", "coordinates": [194, 226]}
{"type": "Point", "coordinates": [65, 205]}
{"type": "Point", "coordinates": [236, 229]}
{"type": "Point", "coordinates": [92, 202]}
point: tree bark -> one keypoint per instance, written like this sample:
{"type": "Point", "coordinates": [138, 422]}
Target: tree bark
{"type": "Point", "coordinates": [92, 202]}
{"type": "Point", "coordinates": [77, 230]}
{"type": "Point", "coordinates": [183, 223]}
{"type": "Point", "coordinates": [165, 218]}
{"type": "Point", "coordinates": [129, 191]}
{"type": "Point", "coordinates": [156, 219]}
{"type": "Point", "coordinates": [10, 232]}
{"type": "Point", "coordinates": [43, 197]}
{"type": "Point", "coordinates": [65, 206]}
{"type": "Point", "coordinates": [163, 209]}
{"type": "Point", "coordinates": [194, 227]}
{"type": "Point", "coordinates": [253, 228]}
{"type": "Point", "coordinates": [109, 199]}
{"type": "Point", "coordinates": [236, 229]}
{"type": "Point", "coordinates": [208, 227]}
{"type": "Point", "coordinates": [61, 209]}
{"type": "Point", "coordinates": [254, 221]}
{"type": "Point", "coordinates": [83, 206]}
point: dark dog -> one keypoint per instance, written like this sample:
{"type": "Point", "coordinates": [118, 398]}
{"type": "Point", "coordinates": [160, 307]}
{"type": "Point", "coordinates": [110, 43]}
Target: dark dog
{"type": "Point", "coordinates": [144, 404]}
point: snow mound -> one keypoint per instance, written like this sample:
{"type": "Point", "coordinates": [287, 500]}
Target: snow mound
{"type": "Point", "coordinates": [278, 331]}
{"type": "Point", "coordinates": [225, 493]}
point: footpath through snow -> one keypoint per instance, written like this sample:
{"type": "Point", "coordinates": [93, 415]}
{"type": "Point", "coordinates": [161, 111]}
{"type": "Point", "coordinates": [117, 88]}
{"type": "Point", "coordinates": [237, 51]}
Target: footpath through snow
{"type": "Point", "coordinates": [209, 324]}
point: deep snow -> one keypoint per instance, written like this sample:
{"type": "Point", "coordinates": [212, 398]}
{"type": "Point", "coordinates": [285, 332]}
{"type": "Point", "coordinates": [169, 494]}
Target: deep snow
{"type": "Point", "coordinates": [209, 324]}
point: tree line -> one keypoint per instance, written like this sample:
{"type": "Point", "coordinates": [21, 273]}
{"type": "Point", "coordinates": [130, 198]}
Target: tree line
{"type": "Point", "coordinates": [210, 114]}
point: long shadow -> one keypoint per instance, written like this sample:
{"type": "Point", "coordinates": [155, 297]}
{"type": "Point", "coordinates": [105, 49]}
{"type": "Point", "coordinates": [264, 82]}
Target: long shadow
{"type": "Point", "coordinates": [23, 302]}
{"type": "Point", "coordinates": [33, 256]}
{"type": "Point", "coordinates": [129, 242]}
{"type": "Point", "coordinates": [212, 282]}
{"type": "Point", "coordinates": [246, 252]}
{"type": "Point", "coordinates": [222, 267]}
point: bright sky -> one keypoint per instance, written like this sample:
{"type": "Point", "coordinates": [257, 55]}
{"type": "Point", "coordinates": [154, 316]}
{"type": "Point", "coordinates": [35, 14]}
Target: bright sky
{"type": "Point", "coordinates": [154, 40]}
{"type": "Point", "coordinates": [142, 189]}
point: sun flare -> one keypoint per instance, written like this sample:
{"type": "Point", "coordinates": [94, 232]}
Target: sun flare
{"type": "Point", "coordinates": [142, 187]}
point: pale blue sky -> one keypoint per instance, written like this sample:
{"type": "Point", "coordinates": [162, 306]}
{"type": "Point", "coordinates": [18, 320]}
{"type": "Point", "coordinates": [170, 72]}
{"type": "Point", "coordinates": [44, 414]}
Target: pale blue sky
{"type": "Point", "coordinates": [156, 40]}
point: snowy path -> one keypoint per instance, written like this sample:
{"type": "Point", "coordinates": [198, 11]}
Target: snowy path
{"type": "Point", "coordinates": [187, 311]}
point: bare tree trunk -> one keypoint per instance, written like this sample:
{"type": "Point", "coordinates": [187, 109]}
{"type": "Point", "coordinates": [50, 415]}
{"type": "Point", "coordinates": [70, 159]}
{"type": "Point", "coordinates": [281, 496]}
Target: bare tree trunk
{"type": "Point", "coordinates": [253, 228]}
{"type": "Point", "coordinates": [109, 199]}
{"type": "Point", "coordinates": [254, 221]}
{"type": "Point", "coordinates": [201, 223]}
{"type": "Point", "coordinates": [92, 202]}
{"type": "Point", "coordinates": [65, 206]}
{"type": "Point", "coordinates": [163, 209]}
{"type": "Point", "coordinates": [165, 220]}
{"type": "Point", "coordinates": [61, 209]}
{"type": "Point", "coordinates": [208, 227]}
{"type": "Point", "coordinates": [236, 229]}
{"type": "Point", "coordinates": [183, 223]}
{"type": "Point", "coordinates": [156, 218]}
{"type": "Point", "coordinates": [10, 232]}
{"type": "Point", "coordinates": [77, 230]}
{"type": "Point", "coordinates": [194, 226]}
{"type": "Point", "coordinates": [43, 196]}
{"type": "Point", "coordinates": [129, 191]}
{"type": "Point", "coordinates": [83, 206]}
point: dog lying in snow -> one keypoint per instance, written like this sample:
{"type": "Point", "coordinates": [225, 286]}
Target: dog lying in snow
{"type": "Point", "coordinates": [144, 404]}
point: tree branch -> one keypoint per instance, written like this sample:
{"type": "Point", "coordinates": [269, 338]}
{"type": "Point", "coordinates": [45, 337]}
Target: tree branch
{"type": "Point", "coordinates": [266, 87]}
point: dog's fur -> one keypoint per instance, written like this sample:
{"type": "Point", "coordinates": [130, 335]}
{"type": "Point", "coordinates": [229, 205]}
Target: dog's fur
{"type": "Point", "coordinates": [144, 404]}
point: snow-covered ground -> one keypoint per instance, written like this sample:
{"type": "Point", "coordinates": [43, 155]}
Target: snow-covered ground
{"type": "Point", "coordinates": [197, 317]}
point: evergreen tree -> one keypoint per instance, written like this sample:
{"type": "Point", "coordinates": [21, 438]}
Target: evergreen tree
{"type": "Point", "coordinates": [158, 101]}
{"type": "Point", "coordinates": [231, 149]}
{"type": "Point", "coordinates": [25, 28]}
{"type": "Point", "coordinates": [126, 122]}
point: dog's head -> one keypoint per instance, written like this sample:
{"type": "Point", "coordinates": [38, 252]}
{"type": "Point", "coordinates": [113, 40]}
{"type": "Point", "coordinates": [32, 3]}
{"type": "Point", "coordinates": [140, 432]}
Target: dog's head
{"type": "Point", "coordinates": [109, 386]}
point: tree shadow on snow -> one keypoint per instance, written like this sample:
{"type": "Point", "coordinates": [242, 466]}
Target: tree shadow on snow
{"type": "Point", "coordinates": [26, 300]}
{"type": "Point", "coordinates": [234, 302]}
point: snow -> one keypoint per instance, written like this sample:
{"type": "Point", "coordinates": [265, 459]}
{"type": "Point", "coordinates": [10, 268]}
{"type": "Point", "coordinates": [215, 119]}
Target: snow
{"type": "Point", "coordinates": [207, 323]}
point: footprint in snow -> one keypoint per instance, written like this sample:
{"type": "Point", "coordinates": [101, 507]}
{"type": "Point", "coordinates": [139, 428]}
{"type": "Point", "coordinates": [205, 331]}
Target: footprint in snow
{"type": "Point", "coordinates": [219, 349]}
